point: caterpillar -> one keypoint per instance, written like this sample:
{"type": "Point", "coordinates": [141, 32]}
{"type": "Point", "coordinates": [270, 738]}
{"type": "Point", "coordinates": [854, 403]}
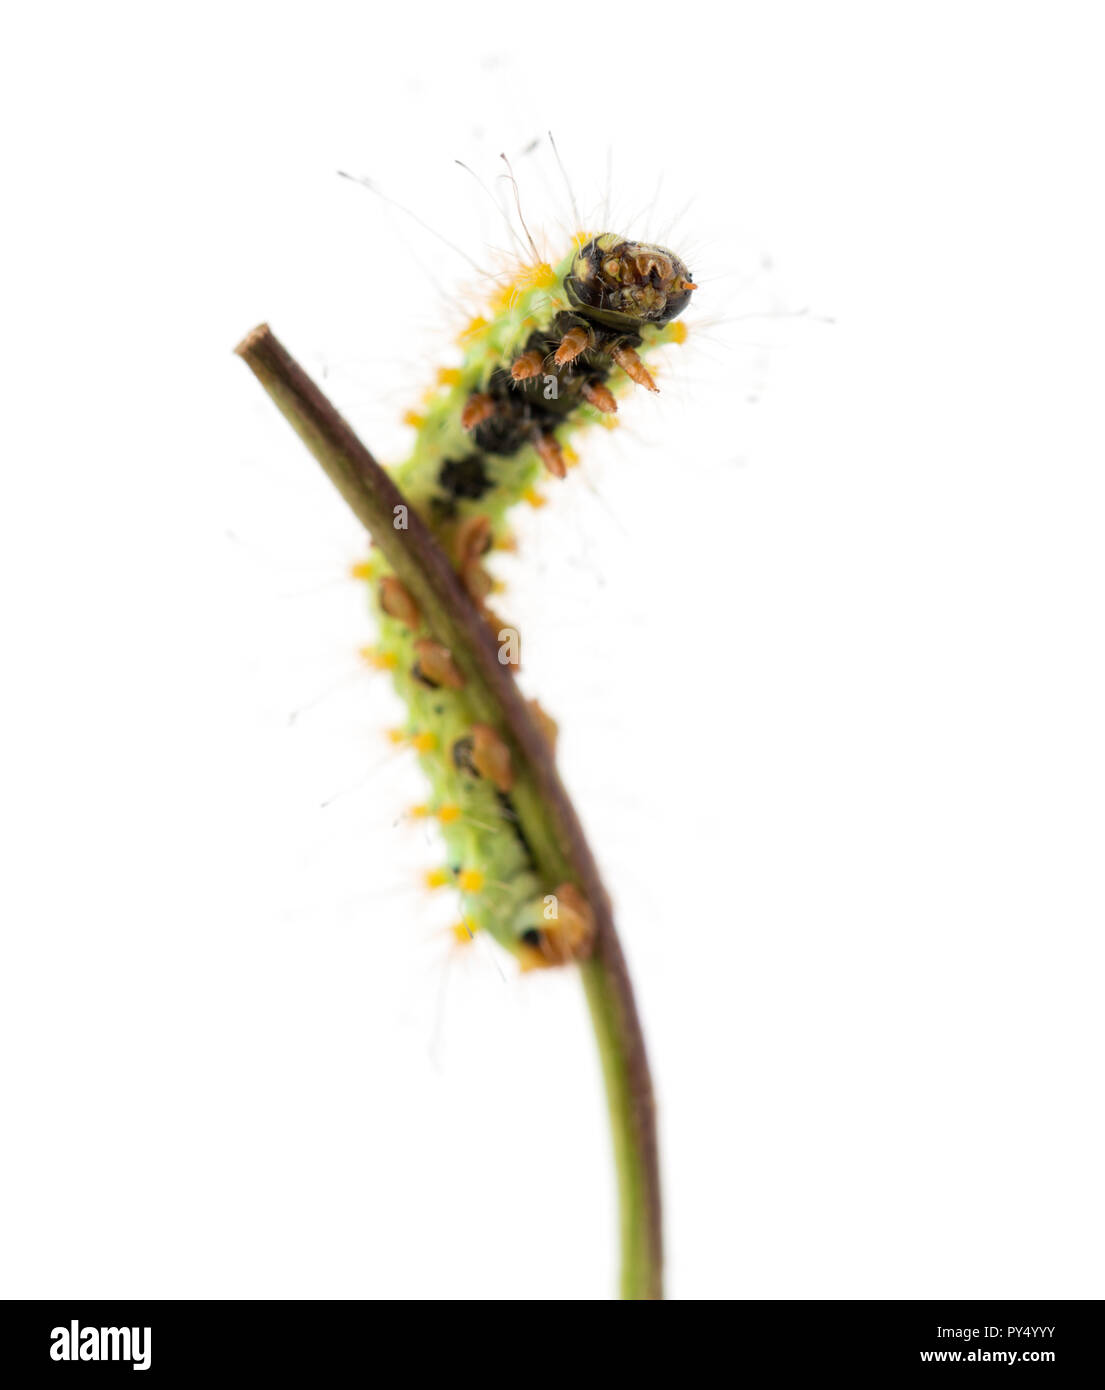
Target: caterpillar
{"type": "Point", "coordinates": [557, 349]}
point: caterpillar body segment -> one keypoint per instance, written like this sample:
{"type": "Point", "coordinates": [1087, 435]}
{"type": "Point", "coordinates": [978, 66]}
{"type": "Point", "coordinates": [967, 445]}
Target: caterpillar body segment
{"type": "Point", "coordinates": [555, 351]}
{"type": "Point", "coordinates": [532, 370]}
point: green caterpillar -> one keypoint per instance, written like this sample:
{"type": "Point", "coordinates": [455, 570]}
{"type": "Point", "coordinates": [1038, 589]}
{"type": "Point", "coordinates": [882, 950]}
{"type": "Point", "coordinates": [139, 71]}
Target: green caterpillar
{"type": "Point", "coordinates": [559, 346]}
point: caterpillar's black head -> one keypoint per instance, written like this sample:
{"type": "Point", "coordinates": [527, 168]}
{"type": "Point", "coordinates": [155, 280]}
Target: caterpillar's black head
{"type": "Point", "coordinates": [627, 283]}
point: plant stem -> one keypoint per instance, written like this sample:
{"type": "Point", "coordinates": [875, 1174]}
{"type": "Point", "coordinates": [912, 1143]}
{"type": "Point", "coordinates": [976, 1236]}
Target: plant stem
{"type": "Point", "coordinates": [545, 813]}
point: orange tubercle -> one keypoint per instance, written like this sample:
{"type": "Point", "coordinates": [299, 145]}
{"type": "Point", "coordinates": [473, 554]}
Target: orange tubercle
{"type": "Point", "coordinates": [552, 456]}
{"type": "Point", "coordinates": [434, 663]}
{"type": "Point", "coordinates": [630, 362]}
{"type": "Point", "coordinates": [491, 757]}
{"type": "Point", "coordinates": [530, 364]}
{"type": "Point", "coordinates": [477, 408]}
{"type": "Point", "coordinates": [397, 602]}
{"type": "Point", "coordinates": [576, 341]}
{"type": "Point", "coordinates": [601, 397]}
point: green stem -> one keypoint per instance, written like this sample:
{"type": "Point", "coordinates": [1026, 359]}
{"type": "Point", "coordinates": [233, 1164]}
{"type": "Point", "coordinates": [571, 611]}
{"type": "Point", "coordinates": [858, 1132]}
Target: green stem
{"type": "Point", "coordinates": [546, 815]}
{"type": "Point", "coordinates": [632, 1118]}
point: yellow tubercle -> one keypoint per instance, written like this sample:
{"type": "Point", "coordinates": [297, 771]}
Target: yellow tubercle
{"type": "Point", "coordinates": [446, 814]}
{"type": "Point", "coordinates": [379, 660]}
{"type": "Point", "coordinates": [502, 298]}
{"type": "Point", "coordinates": [528, 277]}
{"type": "Point", "coordinates": [464, 932]}
{"type": "Point", "coordinates": [534, 498]}
{"type": "Point", "coordinates": [472, 330]}
{"type": "Point", "coordinates": [470, 881]}
{"type": "Point", "coordinates": [436, 878]}
{"type": "Point", "coordinates": [421, 743]}
{"type": "Point", "coordinates": [536, 277]}
{"type": "Point", "coordinates": [362, 569]}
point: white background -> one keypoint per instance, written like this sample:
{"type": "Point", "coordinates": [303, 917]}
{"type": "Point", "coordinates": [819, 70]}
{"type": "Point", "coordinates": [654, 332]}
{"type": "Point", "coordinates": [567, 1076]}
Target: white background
{"type": "Point", "coordinates": [822, 627]}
